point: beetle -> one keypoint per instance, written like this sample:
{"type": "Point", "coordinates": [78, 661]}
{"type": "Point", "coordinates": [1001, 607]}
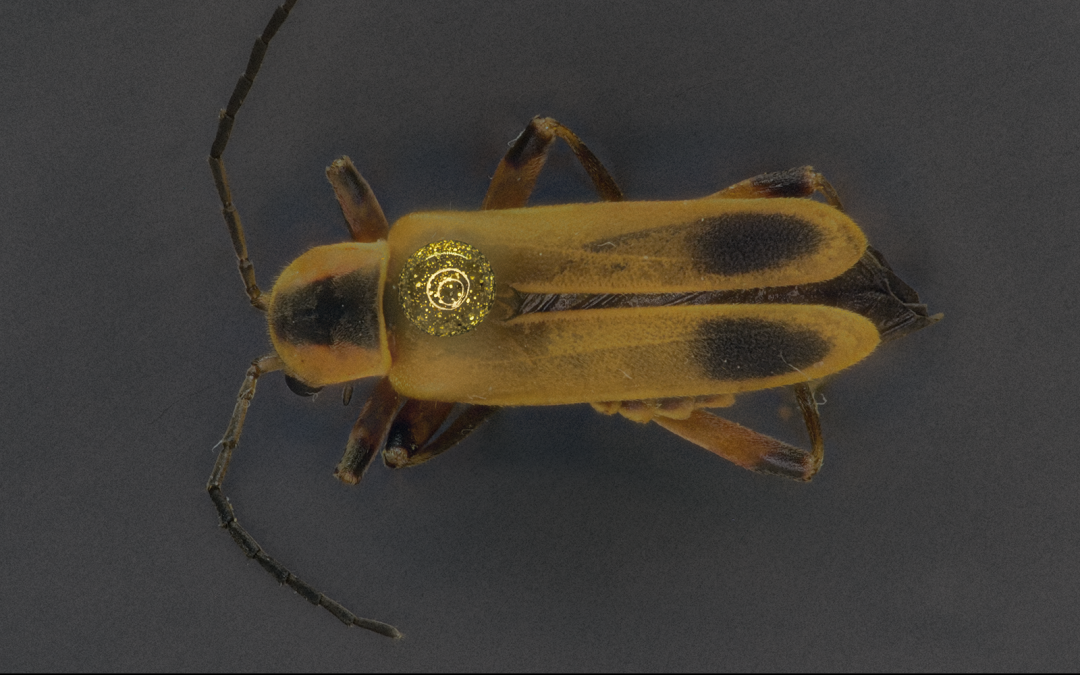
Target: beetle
{"type": "Point", "coordinates": [652, 310]}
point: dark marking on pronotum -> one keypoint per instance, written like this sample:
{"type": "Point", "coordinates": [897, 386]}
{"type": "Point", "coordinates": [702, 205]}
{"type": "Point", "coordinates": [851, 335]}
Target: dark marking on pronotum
{"type": "Point", "coordinates": [740, 243]}
{"type": "Point", "coordinates": [330, 311]}
{"type": "Point", "coordinates": [749, 348]}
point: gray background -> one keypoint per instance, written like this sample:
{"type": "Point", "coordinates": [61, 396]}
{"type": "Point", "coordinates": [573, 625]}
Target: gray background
{"type": "Point", "coordinates": [943, 532]}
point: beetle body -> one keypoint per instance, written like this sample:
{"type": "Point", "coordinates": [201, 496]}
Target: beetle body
{"type": "Point", "coordinates": [639, 249]}
{"type": "Point", "coordinates": [653, 310]}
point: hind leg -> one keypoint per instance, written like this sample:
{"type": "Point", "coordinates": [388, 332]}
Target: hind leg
{"type": "Point", "coordinates": [749, 449]}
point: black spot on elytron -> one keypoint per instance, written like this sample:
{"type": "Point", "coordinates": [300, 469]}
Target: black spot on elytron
{"type": "Point", "coordinates": [740, 243]}
{"type": "Point", "coordinates": [330, 311]}
{"type": "Point", "coordinates": [747, 348]}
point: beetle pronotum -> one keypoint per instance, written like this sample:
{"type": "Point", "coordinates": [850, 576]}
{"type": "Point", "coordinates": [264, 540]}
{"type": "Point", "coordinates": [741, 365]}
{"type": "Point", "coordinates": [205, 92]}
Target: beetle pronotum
{"type": "Point", "coordinates": [654, 310]}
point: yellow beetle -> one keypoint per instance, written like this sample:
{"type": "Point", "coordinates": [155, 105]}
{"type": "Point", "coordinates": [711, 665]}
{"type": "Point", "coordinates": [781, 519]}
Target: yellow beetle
{"type": "Point", "coordinates": [654, 310]}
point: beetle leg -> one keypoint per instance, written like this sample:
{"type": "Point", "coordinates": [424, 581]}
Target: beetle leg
{"type": "Point", "coordinates": [517, 172]}
{"type": "Point", "coordinates": [413, 427]}
{"type": "Point", "coordinates": [247, 543]}
{"type": "Point", "coordinates": [226, 119]}
{"type": "Point", "coordinates": [411, 440]}
{"type": "Point", "coordinates": [368, 435]}
{"type": "Point", "coordinates": [745, 447]}
{"type": "Point", "coordinates": [362, 212]}
{"type": "Point", "coordinates": [799, 182]}
{"type": "Point", "coordinates": [804, 395]}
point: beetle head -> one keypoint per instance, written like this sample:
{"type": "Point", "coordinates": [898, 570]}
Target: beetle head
{"type": "Point", "coordinates": [326, 318]}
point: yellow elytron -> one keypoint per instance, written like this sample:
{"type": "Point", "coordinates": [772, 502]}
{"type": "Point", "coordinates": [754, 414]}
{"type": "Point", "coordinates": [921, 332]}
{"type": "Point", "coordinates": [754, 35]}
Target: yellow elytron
{"type": "Point", "coordinates": [654, 310]}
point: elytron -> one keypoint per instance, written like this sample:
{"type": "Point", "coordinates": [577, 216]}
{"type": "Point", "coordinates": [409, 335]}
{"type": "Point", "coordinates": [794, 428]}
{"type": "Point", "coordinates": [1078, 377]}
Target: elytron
{"type": "Point", "coordinates": [653, 310]}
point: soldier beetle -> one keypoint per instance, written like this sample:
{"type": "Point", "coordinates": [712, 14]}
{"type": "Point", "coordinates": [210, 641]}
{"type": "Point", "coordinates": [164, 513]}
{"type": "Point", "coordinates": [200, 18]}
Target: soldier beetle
{"type": "Point", "coordinates": [653, 310]}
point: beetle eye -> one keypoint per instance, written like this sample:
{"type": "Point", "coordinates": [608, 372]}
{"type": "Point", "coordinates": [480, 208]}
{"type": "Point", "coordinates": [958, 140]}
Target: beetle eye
{"type": "Point", "coordinates": [299, 388]}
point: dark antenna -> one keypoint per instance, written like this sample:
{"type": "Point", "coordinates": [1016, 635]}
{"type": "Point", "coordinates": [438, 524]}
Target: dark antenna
{"type": "Point", "coordinates": [266, 364]}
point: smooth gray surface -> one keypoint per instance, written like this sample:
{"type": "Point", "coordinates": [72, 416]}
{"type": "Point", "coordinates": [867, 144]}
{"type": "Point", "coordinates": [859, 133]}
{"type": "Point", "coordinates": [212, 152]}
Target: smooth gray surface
{"type": "Point", "coordinates": [943, 532]}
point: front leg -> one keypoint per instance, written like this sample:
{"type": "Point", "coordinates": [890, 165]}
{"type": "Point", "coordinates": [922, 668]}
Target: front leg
{"type": "Point", "coordinates": [368, 435]}
{"type": "Point", "coordinates": [362, 212]}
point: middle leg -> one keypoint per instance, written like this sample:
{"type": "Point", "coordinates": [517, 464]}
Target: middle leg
{"type": "Point", "coordinates": [516, 174]}
{"type": "Point", "coordinates": [404, 430]}
{"type": "Point", "coordinates": [799, 182]}
{"type": "Point", "coordinates": [412, 440]}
